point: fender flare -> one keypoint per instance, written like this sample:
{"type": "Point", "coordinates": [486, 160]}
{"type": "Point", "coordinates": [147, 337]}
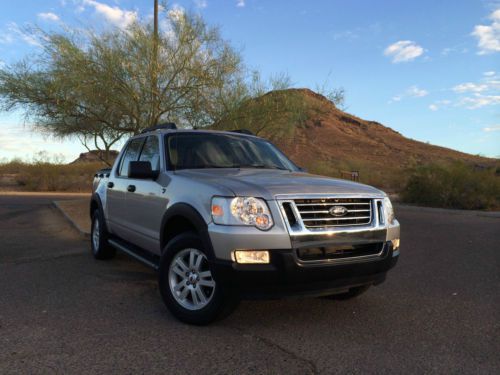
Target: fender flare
{"type": "Point", "coordinates": [97, 200]}
{"type": "Point", "coordinates": [192, 215]}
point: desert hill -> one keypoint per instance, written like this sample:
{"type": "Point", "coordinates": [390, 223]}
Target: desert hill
{"type": "Point", "coordinates": [325, 140]}
{"type": "Point", "coordinates": [95, 156]}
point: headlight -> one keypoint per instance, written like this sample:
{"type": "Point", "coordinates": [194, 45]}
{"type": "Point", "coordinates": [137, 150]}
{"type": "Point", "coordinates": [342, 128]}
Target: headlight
{"type": "Point", "coordinates": [241, 211]}
{"type": "Point", "coordinates": [388, 210]}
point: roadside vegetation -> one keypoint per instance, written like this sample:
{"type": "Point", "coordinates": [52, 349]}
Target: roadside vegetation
{"type": "Point", "coordinates": [457, 185]}
{"type": "Point", "coordinates": [18, 175]}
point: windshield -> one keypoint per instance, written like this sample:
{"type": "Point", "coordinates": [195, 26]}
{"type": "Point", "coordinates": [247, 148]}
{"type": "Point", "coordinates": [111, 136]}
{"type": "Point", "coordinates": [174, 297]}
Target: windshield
{"type": "Point", "coordinates": [205, 150]}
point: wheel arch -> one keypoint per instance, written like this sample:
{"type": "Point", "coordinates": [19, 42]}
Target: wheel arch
{"type": "Point", "coordinates": [180, 218]}
{"type": "Point", "coordinates": [96, 204]}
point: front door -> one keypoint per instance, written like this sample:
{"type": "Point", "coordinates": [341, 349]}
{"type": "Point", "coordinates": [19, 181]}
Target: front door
{"type": "Point", "coordinates": [146, 202]}
{"type": "Point", "coordinates": [116, 195]}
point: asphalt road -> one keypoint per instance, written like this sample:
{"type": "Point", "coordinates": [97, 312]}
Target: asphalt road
{"type": "Point", "coordinates": [63, 312]}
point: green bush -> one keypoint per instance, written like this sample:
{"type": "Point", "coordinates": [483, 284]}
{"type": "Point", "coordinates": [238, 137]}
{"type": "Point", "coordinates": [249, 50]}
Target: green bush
{"type": "Point", "coordinates": [454, 186]}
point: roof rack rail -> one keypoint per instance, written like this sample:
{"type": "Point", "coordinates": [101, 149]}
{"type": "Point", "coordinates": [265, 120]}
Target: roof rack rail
{"type": "Point", "coordinates": [242, 131]}
{"type": "Point", "coordinates": [166, 125]}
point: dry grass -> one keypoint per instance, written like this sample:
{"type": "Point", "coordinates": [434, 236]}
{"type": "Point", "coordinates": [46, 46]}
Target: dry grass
{"type": "Point", "coordinates": [41, 176]}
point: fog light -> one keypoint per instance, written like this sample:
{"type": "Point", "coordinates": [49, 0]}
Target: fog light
{"type": "Point", "coordinates": [395, 244]}
{"type": "Point", "coordinates": [251, 256]}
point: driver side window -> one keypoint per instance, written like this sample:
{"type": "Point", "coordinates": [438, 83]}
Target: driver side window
{"type": "Point", "coordinates": [131, 154]}
{"type": "Point", "coordinates": [151, 152]}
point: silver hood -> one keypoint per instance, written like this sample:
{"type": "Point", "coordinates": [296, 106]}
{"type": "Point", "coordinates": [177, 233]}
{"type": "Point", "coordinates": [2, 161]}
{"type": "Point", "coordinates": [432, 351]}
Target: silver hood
{"type": "Point", "coordinates": [268, 184]}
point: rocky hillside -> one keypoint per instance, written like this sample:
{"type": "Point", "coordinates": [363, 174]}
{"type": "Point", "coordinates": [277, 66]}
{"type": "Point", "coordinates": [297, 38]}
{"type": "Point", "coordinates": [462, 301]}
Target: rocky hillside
{"type": "Point", "coordinates": [95, 156]}
{"type": "Point", "coordinates": [326, 140]}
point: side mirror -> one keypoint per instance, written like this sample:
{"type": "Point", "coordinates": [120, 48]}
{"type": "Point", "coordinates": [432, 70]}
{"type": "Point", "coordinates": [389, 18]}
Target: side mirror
{"type": "Point", "coordinates": [141, 170]}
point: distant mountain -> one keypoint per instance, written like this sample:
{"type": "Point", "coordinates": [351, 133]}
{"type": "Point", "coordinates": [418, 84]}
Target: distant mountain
{"type": "Point", "coordinates": [95, 156]}
{"type": "Point", "coordinates": [326, 140]}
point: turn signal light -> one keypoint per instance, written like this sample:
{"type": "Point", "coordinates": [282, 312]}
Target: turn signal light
{"type": "Point", "coordinates": [395, 244]}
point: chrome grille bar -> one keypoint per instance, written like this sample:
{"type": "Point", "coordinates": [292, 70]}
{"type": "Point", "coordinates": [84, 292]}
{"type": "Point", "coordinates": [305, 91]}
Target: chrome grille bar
{"type": "Point", "coordinates": [317, 213]}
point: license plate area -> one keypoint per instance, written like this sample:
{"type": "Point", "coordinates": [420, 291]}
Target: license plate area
{"type": "Point", "coordinates": [339, 251]}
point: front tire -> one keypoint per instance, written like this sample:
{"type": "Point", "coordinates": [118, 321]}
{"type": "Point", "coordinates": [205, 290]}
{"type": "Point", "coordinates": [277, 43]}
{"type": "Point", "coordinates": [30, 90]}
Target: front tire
{"type": "Point", "coordinates": [99, 238]}
{"type": "Point", "coordinates": [187, 285]}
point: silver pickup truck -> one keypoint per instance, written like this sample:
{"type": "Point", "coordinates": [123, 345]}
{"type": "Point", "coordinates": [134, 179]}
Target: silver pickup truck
{"type": "Point", "coordinates": [226, 215]}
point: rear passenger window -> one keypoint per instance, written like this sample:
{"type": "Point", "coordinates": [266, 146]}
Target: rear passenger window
{"type": "Point", "coordinates": [151, 152]}
{"type": "Point", "coordinates": [131, 154]}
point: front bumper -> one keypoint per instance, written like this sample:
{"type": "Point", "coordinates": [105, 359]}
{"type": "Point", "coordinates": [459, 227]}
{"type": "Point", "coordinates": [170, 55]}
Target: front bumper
{"type": "Point", "coordinates": [287, 276]}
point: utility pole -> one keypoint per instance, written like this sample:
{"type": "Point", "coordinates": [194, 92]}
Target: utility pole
{"type": "Point", "coordinates": [154, 65]}
{"type": "Point", "coordinates": [156, 21]}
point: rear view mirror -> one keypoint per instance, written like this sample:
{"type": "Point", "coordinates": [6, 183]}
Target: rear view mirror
{"type": "Point", "coordinates": [141, 170]}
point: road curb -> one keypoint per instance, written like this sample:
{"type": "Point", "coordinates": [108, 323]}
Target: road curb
{"type": "Point", "coordinates": [75, 225]}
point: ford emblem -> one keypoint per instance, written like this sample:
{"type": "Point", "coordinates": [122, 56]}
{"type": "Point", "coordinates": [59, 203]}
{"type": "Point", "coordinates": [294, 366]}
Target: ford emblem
{"type": "Point", "coordinates": [338, 211]}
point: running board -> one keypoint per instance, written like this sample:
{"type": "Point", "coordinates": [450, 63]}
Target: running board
{"type": "Point", "coordinates": [137, 253]}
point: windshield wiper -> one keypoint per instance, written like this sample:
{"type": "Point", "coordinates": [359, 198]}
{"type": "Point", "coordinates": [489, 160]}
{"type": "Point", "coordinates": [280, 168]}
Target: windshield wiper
{"type": "Point", "coordinates": [263, 166]}
{"type": "Point", "coordinates": [212, 166]}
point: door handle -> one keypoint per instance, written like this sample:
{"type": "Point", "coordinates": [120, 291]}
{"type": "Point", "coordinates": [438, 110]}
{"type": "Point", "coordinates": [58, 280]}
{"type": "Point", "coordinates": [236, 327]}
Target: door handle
{"type": "Point", "coordinates": [111, 185]}
{"type": "Point", "coordinates": [131, 188]}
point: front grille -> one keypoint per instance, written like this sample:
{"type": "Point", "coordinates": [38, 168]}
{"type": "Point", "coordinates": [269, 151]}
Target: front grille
{"type": "Point", "coordinates": [317, 214]}
{"type": "Point", "coordinates": [339, 251]}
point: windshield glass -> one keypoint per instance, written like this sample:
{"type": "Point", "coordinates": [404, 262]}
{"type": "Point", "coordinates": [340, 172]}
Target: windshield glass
{"type": "Point", "coordinates": [205, 150]}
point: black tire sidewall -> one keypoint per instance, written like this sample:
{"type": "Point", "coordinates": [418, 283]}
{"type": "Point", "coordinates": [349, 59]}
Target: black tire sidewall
{"type": "Point", "coordinates": [222, 301]}
{"type": "Point", "coordinates": [104, 251]}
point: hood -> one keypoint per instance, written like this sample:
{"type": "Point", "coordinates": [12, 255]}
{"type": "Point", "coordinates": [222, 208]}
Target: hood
{"type": "Point", "coordinates": [268, 183]}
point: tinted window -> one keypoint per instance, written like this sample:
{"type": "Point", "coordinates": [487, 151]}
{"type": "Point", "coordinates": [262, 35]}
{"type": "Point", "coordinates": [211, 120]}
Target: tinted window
{"type": "Point", "coordinates": [131, 154]}
{"type": "Point", "coordinates": [151, 152]}
{"type": "Point", "coordinates": [205, 150]}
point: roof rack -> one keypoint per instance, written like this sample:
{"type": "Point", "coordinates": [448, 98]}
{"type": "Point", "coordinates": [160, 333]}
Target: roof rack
{"type": "Point", "coordinates": [242, 131]}
{"type": "Point", "coordinates": [166, 125]}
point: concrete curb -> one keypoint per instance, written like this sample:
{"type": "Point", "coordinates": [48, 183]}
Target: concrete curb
{"type": "Point", "coordinates": [448, 211]}
{"type": "Point", "coordinates": [75, 225]}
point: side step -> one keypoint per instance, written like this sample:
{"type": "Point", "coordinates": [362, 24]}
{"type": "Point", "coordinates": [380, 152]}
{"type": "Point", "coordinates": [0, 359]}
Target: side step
{"type": "Point", "coordinates": [141, 255]}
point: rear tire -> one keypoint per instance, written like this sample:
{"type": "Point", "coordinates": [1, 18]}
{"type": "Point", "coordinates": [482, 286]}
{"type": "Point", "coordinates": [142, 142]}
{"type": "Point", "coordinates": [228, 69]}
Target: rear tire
{"type": "Point", "coordinates": [351, 293]}
{"type": "Point", "coordinates": [99, 245]}
{"type": "Point", "coordinates": [186, 284]}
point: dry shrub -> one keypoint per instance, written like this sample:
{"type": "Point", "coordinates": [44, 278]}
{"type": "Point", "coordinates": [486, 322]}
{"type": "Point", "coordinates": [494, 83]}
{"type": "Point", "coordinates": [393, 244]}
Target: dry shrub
{"type": "Point", "coordinates": [454, 186]}
{"type": "Point", "coordinates": [43, 176]}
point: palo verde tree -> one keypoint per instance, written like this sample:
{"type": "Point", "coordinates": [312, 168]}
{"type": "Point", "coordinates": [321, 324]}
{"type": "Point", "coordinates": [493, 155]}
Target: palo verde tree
{"type": "Point", "coordinates": [100, 87]}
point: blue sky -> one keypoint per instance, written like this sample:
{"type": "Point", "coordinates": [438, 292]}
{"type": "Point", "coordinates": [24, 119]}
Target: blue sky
{"type": "Point", "coordinates": [428, 69]}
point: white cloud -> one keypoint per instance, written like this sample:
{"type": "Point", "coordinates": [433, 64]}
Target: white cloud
{"type": "Point", "coordinates": [490, 82]}
{"type": "Point", "coordinates": [49, 16]}
{"type": "Point", "coordinates": [411, 92]}
{"type": "Point", "coordinates": [403, 51]}
{"type": "Point", "coordinates": [494, 128]}
{"type": "Point", "coordinates": [483, 93]}
{"type": "Point", "coordinates": [240, 3]}
{"type": "Point", "coordinates": [201, 3]}
{"type": "Point", "coordinates": [15, 32]}
{"type": "Point", "coordinates": [415, 92]}
{"type": "Point", "coordinates": [470, 87]}
{"type": "Point", "coordinates": [439, 104]}
{"type": "Point", "coordinates": [347, 34]}
{"type": "Point", "coordinates": [6, 38]}
{"type": "Point", "coordinates": [478, 100]}
{"type": "Point", "coordinates": [488, 36]}
{"type": "Point", "coordinates": [449, 50]}
{"type": "Point", "coordinates": [113, 14]}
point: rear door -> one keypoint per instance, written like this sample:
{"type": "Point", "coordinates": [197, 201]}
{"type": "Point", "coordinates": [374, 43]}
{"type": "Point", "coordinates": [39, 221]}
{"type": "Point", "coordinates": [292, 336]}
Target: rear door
{"type": "Point", "coordinates": [116, 199]}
